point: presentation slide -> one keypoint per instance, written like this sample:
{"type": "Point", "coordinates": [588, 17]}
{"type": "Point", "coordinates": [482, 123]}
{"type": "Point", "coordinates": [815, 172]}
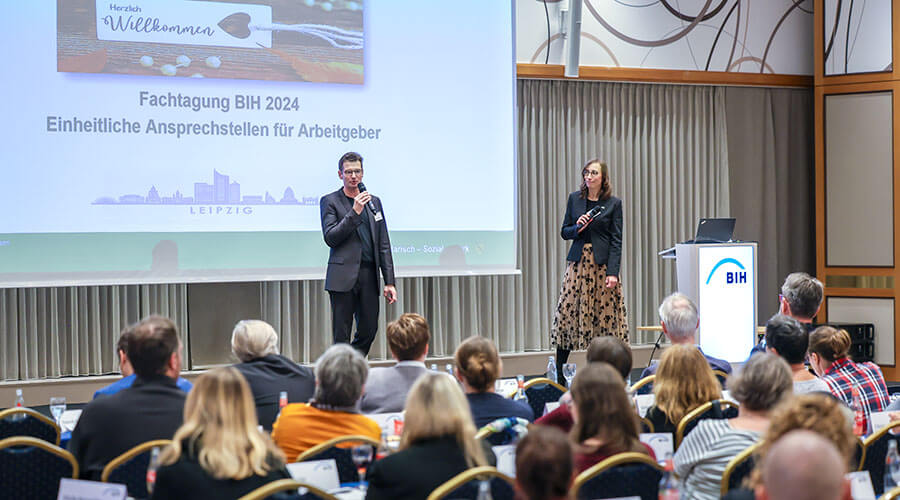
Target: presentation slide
{"type": "Point", "coordinates": [153, 141]}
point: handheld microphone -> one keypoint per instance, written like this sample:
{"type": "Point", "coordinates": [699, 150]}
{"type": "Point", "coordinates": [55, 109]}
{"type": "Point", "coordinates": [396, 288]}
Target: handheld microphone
{"type": "Point", "coordinates": [371, 204]}
{"type": "Point", "coordinates": [591, 214]}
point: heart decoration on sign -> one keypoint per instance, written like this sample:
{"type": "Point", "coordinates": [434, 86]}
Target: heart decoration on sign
{"type": "Point", "coordinates": [236, 25]}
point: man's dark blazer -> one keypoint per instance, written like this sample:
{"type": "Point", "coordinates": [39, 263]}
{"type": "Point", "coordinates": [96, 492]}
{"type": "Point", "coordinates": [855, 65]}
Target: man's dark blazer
{"type": "Point", "coordinates": [339, 223]}
{"type": "Point", "coordinates": [151, 408]}
{"type": "Point", "coordinates": [268, 376]}
{"type": "Point", "coordinates": [605, 231]}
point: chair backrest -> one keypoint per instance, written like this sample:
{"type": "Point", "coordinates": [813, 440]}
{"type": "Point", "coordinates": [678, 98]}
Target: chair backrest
{"type": "Point", "coordinates": [287, 485]}
{"type": "Point", "coordinates": [541, 391]}
{"type": "Point", "coordinates": [859, 455]}
{"type": "Point", "coordinates": [875, 451]}
{"type": "Point", "coordinates": [32, 468]}
{"type": "Point", "coordinates": [27, 422]}
{"type": "Point", "coordinates": [739, 468]}
{"type": "Point", "coordinates": [894, 494]}
{"type": "Point", "coordinates": [342, 456]}
{"type": "Point", "coordinates": [507, 430]}
{"type": "Point", "coordinates": [466, 484]}
{"type": "Point", "coordinates": [622, 475]}
{"type": "Point", "coordinates": [716, 409]}
{"type": "Point", "coordinates": [722, 377]}
{"type": "Point", "coordinates": [643, 386]}
{"type": "Point", "coordinates": [646, 425]}
{"type": "Point", "coordinates": [130, 468]}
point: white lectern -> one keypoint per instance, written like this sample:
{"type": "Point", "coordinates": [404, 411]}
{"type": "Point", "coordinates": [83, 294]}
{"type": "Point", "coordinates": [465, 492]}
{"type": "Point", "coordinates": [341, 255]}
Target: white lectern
{"type": "Point", "coordinates": [721, 279]}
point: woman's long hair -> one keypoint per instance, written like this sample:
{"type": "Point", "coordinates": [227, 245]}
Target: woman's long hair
{"type": "Point", "coordinates": [436, 407]}
{"type": "Point", "coordinates": [604, 411]}
{"type": "Point", "coordinates": [605, 187]}
{"type": "Point", "coordinates": [221, 430]}
{"type": "Point", "coordinates": [683, 382]}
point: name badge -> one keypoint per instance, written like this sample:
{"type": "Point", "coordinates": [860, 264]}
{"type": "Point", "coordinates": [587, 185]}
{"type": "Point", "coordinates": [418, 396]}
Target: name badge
{"type": "Point", "coordinates": [378, 217]}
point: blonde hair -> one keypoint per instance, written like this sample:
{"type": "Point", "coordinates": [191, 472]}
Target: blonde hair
{"type": "Point", "coordinates": [830, 343]}
{"type": "Point", "coordinates": [478, 362]}
{"type": "Point", "coordinates": [253, 338]}
{"type": "Point", "coordinates": [684, 381]}
{"type": "Point", "coordinates": [436, 407]}
{"type": "Point", "coordinates": [220, 429]}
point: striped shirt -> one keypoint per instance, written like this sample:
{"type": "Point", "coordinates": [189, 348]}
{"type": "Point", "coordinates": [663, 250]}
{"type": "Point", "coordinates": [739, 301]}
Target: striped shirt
{"type": "Point", "coordinates": [701, 459]}
{"type": "Point", "coordinates": [868, 380]}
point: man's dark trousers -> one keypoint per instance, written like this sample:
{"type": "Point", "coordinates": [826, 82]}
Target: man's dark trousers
{"type": "Point", "coordinates": [362, 303]}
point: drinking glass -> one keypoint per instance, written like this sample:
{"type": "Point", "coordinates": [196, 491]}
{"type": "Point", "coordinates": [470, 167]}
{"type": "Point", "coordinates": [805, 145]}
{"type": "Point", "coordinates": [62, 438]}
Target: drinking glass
{"type": "Point", "coordinates": [362, 457]}
{"type": "Point", "coordinates": [57, 407]}
{"type": "Point", "coordinates": [569, 373]}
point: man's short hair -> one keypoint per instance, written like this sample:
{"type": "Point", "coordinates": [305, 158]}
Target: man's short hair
{"type": "Point", "coordinates": [408, 336]}
{"type": "Point", "coordinates": [340, 374]}
{"type": "Point", "coordinates": [122, 344]}
{"type": "Point", "coordinates": [803, 294]}
{"type": "Point", "coordinates": [151, 345]}
{"type": "Point", "coordinates": [679, 314]}
{"type": "Point", "coordinates": [612, 350]}
{"type": "Point", "coordinates": [252, 339]}
{"type": "Point", "coordinates": [803, 465]}
{"type": "Point", "coordinates": [788, 337]}
{"type": "Point", "coordinates": [350, 156]}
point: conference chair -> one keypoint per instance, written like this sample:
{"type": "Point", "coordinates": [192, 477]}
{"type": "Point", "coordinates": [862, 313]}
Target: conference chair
{"type": "Point", "coordinates": [875, 450]}
{"type": "Point", "coordinates": [717, 409]}
{"type": "Point", "coordinates": [541, 391]}
{"type": "Point", "coordinates": [506, 430]}
{"type": "Point", "coordinates": [721, 376]}
{"type": "Point", "coordinates": [739, 468]}
{"type": "Point", "coordinates": [347, 472]}
{"type": "Point", "coordinates": [32, 468]}
{"type": "Point", "coordinates": [466, 485]}
{"type": "Point", "coordinates": [27, 422]}
{"type": "Point", "coordinates": [646, 425]}
{"type": "Point", "coordinates": [894, 494]}
{"type": "Point", "coordinates": [623, 475]}
{"type": "Point", "coordinates": [130, 468]}
{"type": "Point", "coordinates": [285, 487]}
{"type": "Point", "coordinates": [643, 386]}
{"type": "Point", "coordinates": [859, 455]}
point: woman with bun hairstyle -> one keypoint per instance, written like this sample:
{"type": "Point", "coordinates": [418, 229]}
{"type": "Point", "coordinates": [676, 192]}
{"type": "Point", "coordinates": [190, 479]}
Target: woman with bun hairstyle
{"type": "Point", "coordinates": [478, 366]}
{"type": "Point", "coordinates": [829, 350]}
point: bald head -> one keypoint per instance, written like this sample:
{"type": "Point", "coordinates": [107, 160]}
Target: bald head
{"type": "Point", "coordinates": [802, 465]}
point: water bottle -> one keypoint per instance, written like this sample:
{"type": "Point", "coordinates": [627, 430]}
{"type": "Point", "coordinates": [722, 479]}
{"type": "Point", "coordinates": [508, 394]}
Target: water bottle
{"type": "Point", "coordinates": [859, 414]}
{"type": "Point", "coordinates": [449, 369]}
{"type": "Point", "coordinates": [434, 367]}
{"type": "Point", "coordinates": [282, 400]}
{"type": "Point", "coordinates": [891, 467]}
{"type": "Point", "coordinates": [668, 485]}
{"type": "Point", "coordinates": [551, 369]}
{"type": "Point", "coordinates": [520, 392]}
{"type": "Point", "coordinates": [152, 468]}
{"type": "Point", "coordinates": [484, 490]}
{"type": "Point", "coordinates": [20, 403]}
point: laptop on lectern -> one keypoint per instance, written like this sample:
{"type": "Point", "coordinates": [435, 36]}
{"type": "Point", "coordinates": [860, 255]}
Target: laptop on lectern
{"type": "Point", "coordinates": [714, 230]}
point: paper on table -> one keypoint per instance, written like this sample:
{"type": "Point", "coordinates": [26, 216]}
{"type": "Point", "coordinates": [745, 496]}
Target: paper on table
{"type": "Point", "coordinates": [386, 421]}
{"type": "Point", "coordinates": [662, 444]}
{"type": "Point", "coordinates": [861, 485]}
{"type": "Point", "coordinates": [551, 406]}
{"type": "Point", "coordinates": [68, 420]}
{"type": "Point", "coordinates": [644, 402]}
{"type": "Point", "coordinates": [322, 474]}
{"type": "Point", "coordinates": [77, 489]}
{"type": "Point", "coordinates": [506, 459]}
{"type": "Point", "coordinates": [506, 387]}
{"type": "Point", "coordinates": [880, 420]}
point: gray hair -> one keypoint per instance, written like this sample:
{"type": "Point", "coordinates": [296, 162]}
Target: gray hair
{"type": "Point", "coordinates": [803, 294]}
{"type": "Point", "coordinates": [679, 314]}
{"type": "Point", "coordinates": [764, 381]}
{"type": "Point", "coordinates": [253, 339]}
{"type": "Point", "coordinates": [340, 375]}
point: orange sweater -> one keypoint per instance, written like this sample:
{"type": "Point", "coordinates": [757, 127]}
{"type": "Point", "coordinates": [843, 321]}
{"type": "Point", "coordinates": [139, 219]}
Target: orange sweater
{"type": "Point", "coordinates": [300, 426]}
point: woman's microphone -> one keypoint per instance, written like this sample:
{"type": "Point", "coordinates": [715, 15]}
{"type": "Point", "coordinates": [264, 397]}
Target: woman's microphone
{"type": "Point", "coordinates": [593, 213]}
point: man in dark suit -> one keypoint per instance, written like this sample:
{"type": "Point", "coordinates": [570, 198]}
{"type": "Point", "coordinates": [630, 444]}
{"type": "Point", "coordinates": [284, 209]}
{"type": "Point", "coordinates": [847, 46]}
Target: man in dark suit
{"type": "Point", "coordinates": [150, 409]}
{"type": "Point", "coordinates": [387, 387]}
{"type": "Point", "coordinates": [360, 247]}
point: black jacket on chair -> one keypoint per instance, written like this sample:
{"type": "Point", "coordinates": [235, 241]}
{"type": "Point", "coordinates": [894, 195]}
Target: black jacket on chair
{"type": "Point", "coordinates": [604, 232]}
{"type": "Point", "coordinates": [268, 376]}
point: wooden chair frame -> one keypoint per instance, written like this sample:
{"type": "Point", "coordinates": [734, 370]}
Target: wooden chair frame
{"type": "Point", "coordinates": [629, 457]}
{"type": "Point", "coordinates": [128, 455]}
{"type": "Point", "coordinates": [862, 456]}
{"type": "Point", "coordinates": [894, 494]}
{"type": "Point", "coordinates": [270, 489]}
{"type": "Point", "coordinates": [729, 469]}
{"type": "Point", "coordinates": [31, 413]}
{"type": "Point", "coordinates": [648, 423]}
{"type": "Point", "coordinates": [336, 441]}
{"type": "Point", "coordinates": [464, 477]}
{"type": "Point", "coordinates": [44, 445]}
{"type": "Point", "coordinates": [544, 380]}
{"type": "Point", "coordinates": [641, 383]}
{"type": "Point", "coordinates": [720, 373]}
{"type": "Point", "coordinates": [696, 412]}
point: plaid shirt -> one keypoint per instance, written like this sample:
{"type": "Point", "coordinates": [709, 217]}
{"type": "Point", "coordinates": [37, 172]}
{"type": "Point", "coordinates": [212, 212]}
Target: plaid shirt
{"type": "Point", "coordinates": [869, 382]}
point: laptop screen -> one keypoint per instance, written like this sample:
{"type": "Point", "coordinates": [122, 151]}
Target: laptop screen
{"type": "Point", "coordinates": [719, 230]}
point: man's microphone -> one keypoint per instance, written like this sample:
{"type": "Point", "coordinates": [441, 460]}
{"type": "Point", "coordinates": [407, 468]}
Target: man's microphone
{"type": "Point", "coordinates": [371, 204]}
{"type": "Point", "coordinates": [593, 213]}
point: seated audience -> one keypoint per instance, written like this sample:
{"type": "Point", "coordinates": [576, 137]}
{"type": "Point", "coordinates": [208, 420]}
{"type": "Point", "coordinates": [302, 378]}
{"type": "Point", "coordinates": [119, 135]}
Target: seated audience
{"type": "Point", "coordinates": [438, 443]}
{"type": "Point", "coordinates": [787, 338]}
{"type": "Point", "coordinates": [700, 461]}
{"type": "Point", "coordinates": [684, 382]}
{"type": "Point", "coordinates": [829, 357]}
{"type": "Point", "coordinates": [478, 366]}
{"type": "Point", "coordinates": [340, 374]}
{"type": "Point", "coordinates": [150, 409]}
{"type": "Point", "coordinates": [803, 465]}
{"type": "Point", "coordinates": [255, 343]}
{"type": "Point", "coordinates": [387, 387]}
{"type": "Point", "coordinates": [679, 321]}
{"type": "Point", "coordinates": [607, 349]}
{"type": "Point", "coordinates": [218, 452]}
{"type": "Point", "coordinates": [128, 375]}
{"type": "Point", "coordinates": [605, 420]}
{"type": "Point", "coordinates": [801, 297]}
{"type": "Point", "coordinates": [544, 468]}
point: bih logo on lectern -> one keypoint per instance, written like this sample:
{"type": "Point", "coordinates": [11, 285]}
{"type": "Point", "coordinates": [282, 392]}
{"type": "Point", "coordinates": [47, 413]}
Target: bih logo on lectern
{"type": "Point", "coordinates": [731, 277]}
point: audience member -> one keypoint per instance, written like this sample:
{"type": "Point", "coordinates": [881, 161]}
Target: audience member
{"type": "Point", "coordinates": [801, 297]}
{"type": "Point", "coordinates": [255, 344]}
{"type": "Point", "coordinates": [700, 461]}
{"type": "Point", "coordinates": [386, 388]}
{"type": "Point", "coordinates": [829, 350]}
{"type": "Point", "coordinates": [478, 366]}
{"type": "Point", "coordinates": [340, 375]}
{"type": "Point", "coordinates": [679, 321]}
{"type": "Point", "coordinates": [218, 452]}
{"type": "Point", "coordinates": [128, 375]}
{"type": "Point", "coordinates": [787, 338]}
{"type": "Point", "coordinates": [544, 468]}
{"type": "Point", "coordinates": [605, 420]}
{"type": "Point", "coordinates": [803, 465]}
{"type": "Point", "coordinates": [684, 382]}
{"type": "Point", "coordinates": [150, 409]}
{"type": "Point", "coordinates": [438, 443]}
